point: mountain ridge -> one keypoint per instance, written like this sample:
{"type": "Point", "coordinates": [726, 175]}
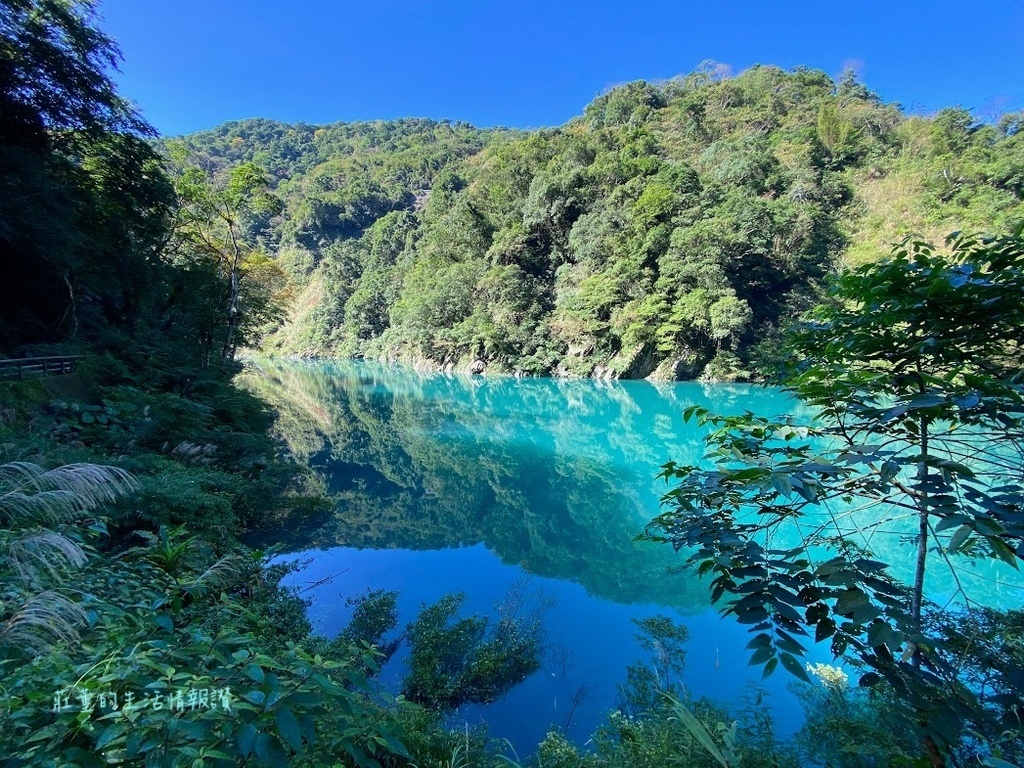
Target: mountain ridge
{"type": "Point", "coordinates": [670, 230]}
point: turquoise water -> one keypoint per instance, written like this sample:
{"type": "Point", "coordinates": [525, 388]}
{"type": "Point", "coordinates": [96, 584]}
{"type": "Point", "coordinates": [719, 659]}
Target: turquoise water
{"type": "Point", "coordinates": [535, 486]}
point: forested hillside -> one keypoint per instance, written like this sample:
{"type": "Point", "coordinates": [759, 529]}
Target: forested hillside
{"type": "Point", "coordinates": [128, 606]}
{"type": "Point", "coordinates": [671, 229]}
{"type": "Point", "coordinates": [668, 231]}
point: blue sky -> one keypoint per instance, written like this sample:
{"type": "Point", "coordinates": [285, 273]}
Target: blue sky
{"type": "Point", "coordinates": [192, 64]}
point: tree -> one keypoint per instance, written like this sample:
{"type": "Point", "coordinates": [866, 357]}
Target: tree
{"type": "Point", "coordinates": [914, 372]}
{"type": "Point", "coordinates": [455, 661]}
{"type": "Point", "coordinates": [212, 214]}
{"type": "Point", "coordinates": [83, 198]}
{"type": "Point", "coordinates": [54, 81]}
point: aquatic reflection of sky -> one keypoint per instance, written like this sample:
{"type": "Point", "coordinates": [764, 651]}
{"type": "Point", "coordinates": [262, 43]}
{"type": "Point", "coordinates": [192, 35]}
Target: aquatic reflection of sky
{"type": "Point", "coordinates": [456, 484]}
{"type": "Point", "coordinates": [588, 641]}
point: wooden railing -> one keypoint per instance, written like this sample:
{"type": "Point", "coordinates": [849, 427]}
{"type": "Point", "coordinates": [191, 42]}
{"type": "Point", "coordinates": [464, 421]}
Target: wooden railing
{"type": "Point", "coordinates": [20, 368]}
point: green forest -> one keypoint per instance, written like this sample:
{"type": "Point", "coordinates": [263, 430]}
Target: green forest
{"type": "Point", "coordinates": [669, 231]}
{"type": "Point", "coordinates": [776, 225]}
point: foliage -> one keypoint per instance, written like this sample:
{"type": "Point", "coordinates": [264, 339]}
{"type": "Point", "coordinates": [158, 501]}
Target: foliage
{"type": "Point", "coordinates": [84, 201]}
{"type": "Point", "coordinates": [211, 220]}
{"type": "Point", "coordinates": [853, 727]}
{"type": "Point", "coordinates": [648, 682]}
{"type": "Point", "coordinates": [375, 614]}
{"type": "Point", "coordinates": [157, 660]}
{"type": "Point", "coordinates": [658, 723]}
{"type": "Point", "coordinates": [690, 734]}
{"type": "Point", "coordinates": [459, 661]}
{"type": "Point", "coordinates": [666, 232]}
{"type": "Point", "coordinates": [913, 370]}
{"type": "Point", "coordinates": [39, 545]}
{"type": "Point", "coordinates": [55, 64]}
{"type": "Point", "coordinates": [127, 638]}
{"type": "Point", "coordinates": [433, 745]}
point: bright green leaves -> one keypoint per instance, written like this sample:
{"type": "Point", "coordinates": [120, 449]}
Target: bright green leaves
{"type": "Point", "coordinates": [182, 675]}
{"type": "Point", "coordinates": [248, 186]}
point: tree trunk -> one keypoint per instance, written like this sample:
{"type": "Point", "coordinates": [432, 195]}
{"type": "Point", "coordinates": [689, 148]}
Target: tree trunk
{"type": "Point", "coordinates": [233, 295]}
{"type": "Point", "coordinates": [922, 528]}
{"type": "Point", "coordinates": [931, 749]}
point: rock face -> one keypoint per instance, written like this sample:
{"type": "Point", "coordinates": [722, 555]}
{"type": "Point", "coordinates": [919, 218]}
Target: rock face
{"type": "Point", "coordinates": [476, 368]}
{"type": "Point", "coordinates": [685, 365]}
{"type": "Point", "coordinates": [639, 363]}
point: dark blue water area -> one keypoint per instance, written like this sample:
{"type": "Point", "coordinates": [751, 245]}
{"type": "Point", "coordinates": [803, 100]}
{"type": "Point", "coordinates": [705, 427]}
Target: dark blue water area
{"type": "Point", "coordinates": [588, 642]}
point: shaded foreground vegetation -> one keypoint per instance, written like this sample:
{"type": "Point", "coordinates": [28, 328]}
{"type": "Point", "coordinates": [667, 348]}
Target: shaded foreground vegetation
{"type": "Point", "coordinates": [671, 227]}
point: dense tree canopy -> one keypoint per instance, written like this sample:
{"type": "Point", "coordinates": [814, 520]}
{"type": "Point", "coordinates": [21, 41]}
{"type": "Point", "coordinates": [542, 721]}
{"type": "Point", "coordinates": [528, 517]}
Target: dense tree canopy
{"type": "Point", "coordinates": [54, 65]}
{"type": "Point", "coordinates": [86, 203]}
{"type": "Point", "coordinates": [669, 230]}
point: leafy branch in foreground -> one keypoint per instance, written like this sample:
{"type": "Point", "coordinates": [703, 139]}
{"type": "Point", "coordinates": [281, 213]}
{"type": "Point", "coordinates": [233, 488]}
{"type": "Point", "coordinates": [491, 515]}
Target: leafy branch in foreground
{"type": "Point", "coordinates": [914, 373]}
{"type": "Point", "coordinates": [152, 656]}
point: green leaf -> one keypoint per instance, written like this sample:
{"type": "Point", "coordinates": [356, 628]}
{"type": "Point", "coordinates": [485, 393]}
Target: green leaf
{"type": "Point", "coordinates": [959, 538]}
{"type": "Point", "coordinates": [849, 601]}
{"type": "Point", "coordinates": [270, 750]}
{"type": "Point", "coordinates": [794, 667]}
{"type": "Point", "coordinates": [928, 400]}
{"type": "Point", "coordinates": [1002, 551]}
{"type": "Point", "coordinates": [254, 672]}
{"type": "Point", "coordinates": [395, 745]}
{"type": "Point", "coordinates": [869, 679]}
{"type": "Point", "coordinates": [691, 411]}
{"type": "Point", "coordinates": [760, 641]}
{"type": "Point", "coordinates": [246, 737]}
{"type": "Point", "coordinates": [824, 630]}
{"type": "Point", "coordinates": [110, 733]}
{"type": "Point", "coordinates": [697, 730]}
{"type": "Point", "coordinates": [752, 616]}
{"type": "Point", "coordinates": [288, 727]}
{"type": "Point", "coordinates": [987, 527]}
{"type": "Point", "coordinates": [950, 521]}
{"type": "Point", "coordinates": [256, 697]}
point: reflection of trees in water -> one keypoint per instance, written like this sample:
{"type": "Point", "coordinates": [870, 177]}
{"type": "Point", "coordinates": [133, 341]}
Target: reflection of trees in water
{"type": "Point", "coordinates": [554, 475]}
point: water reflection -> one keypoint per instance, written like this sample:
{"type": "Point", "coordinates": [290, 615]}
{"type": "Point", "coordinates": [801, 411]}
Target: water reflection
{"type": "Point", "coordinates": [556, 476]}
{"type": "Point", "coordinates": [432, 477]}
